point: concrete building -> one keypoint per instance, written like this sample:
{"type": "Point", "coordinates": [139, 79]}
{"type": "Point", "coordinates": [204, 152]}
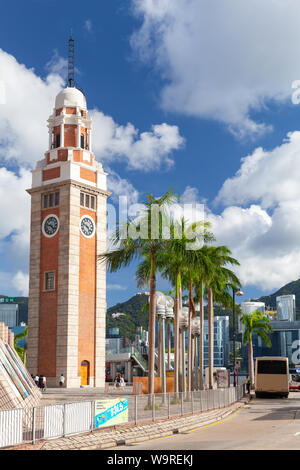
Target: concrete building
{"type": "Point", "coordinates": [67, 289]}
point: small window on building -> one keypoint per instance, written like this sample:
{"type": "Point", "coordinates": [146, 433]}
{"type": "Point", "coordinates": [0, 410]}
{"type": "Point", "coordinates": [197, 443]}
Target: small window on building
{"type": "Point", "coordinates": [57, 199]}
{"type": "Point", "coordinates": [57, 140]}
{"type": "Point", "coordinates": [82, 141]}
{"type": "Point", "coordinates": [88, 201]}
{"type": "Point", "coordinates": [50, 280]}
{"type": "Point", "coordinates": [51, 200]}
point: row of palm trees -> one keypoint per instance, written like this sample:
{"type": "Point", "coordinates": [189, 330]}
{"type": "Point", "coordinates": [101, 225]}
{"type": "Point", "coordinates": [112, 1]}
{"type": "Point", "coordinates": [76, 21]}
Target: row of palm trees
{"type": "Point", "coordinates": [182, 253]}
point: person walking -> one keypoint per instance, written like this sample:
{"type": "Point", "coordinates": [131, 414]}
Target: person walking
{"type": "Point", "coordinates": [36, 380]}
{"type": "Point", "coordinates": [61, 380]}
{"type": "Point", "coordinates": [44, 384]}
{"type": "Point", "coordinates": [248, 384]}
{"type": "Point", "coordinates": [40, 382]}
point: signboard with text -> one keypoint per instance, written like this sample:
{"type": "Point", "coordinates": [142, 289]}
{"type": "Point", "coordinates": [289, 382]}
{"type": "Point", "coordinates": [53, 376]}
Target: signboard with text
{"type": "Point", "coordinates": [8, 300]}
{"type": "Point", "coordinates": [111, 412]}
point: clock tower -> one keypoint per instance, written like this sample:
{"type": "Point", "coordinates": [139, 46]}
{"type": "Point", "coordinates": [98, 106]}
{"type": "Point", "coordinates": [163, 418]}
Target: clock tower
{"type": "Point", "coordinates": [67, 287]}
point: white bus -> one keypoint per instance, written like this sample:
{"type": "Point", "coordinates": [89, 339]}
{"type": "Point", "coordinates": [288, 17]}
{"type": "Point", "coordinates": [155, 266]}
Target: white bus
{"type": "Point", "coordinates": [272, 376]}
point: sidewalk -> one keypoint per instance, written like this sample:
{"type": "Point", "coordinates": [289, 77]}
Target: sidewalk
{"type": "Point", "coordinates": [136, 433]}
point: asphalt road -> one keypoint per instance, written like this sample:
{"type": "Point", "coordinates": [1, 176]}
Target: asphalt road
{"type": "Point", "coordinates": [263, 424]}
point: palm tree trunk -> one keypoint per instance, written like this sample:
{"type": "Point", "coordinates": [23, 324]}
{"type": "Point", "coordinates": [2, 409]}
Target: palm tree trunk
{"type": "Point", "coordinates": [176, 334]}
{"type": "Point", "coordinates": [210, 337]}
{"type": "Point", "coordinates": [189, 368]}
{"type": "Point", "coordinates": [201, 345]}
{"type": "Point", "coordinates": [251, 362]}
{"type": "Point", "coordinates": [169, 346]}
{"type": "Point", "coordinates": [152, 315]}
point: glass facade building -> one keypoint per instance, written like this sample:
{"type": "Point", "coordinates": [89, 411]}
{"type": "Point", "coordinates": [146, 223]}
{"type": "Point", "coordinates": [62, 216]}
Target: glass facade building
{"type": "Point", "coordinates": [221, 341]}
{"type": "Point", "coordinates": [9, 314]}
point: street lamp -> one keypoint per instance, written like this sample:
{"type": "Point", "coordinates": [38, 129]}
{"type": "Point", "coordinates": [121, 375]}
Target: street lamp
{"type": "Point", "coordinates": [164, 309]}
{"type": "Point", "coordinates": [169, 319]}
{"type": "Point", "coordinates": [196, 335]}
{"type": "Point", "coordinates": [183, 326]}
{"type": "Point", "coordinates": [239, 294]}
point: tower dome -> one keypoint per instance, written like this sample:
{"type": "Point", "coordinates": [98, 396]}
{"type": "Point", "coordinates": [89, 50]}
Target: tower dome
{"type": "Point", "coordinates": [70, 97]}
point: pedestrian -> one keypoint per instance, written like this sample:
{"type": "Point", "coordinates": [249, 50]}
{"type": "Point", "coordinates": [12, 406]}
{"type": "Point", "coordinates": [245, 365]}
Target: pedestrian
{"type": "Point", "coordinates": [248, 384]}
{"type": "Point", "coordinates": [40, 382]}
{"type": "Point", "coordinates": [44, 383]}
{"type": "Point", "coordinates": [36, 380]}
{"type": "Point", "coordinates": [61, 380]}
{"type": "Point", "coordinates": [122, 381]}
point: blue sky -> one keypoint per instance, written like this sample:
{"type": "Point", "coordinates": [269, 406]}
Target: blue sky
{"type": "Point", "coordinates": [226, 95]}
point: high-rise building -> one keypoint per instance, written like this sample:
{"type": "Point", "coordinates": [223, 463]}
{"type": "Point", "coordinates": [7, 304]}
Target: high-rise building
{"type": "Point", "coordinates": [286, 307]}
{"type": "Point", "coordinates": [9, 311]}
{"type": "Point", "coordinates": [67, 291]}
{"type": "Point", "coordinates": [221, 341]}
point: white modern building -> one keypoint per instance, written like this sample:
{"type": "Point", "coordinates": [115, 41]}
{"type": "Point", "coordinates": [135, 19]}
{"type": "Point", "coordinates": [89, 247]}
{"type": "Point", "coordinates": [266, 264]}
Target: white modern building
{"type": "Point", "coordinates": [286, 307]}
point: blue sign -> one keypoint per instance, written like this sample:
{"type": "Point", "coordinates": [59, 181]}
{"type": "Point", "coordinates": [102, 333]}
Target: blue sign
{"type": "Point", "coordinates": [111, 412]}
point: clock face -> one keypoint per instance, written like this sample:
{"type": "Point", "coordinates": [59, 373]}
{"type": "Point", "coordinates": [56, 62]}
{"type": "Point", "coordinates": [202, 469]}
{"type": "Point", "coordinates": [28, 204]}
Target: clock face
{"type": "Point", "coordinates": [50, 225]}
{"type": "Point", "coordinates": [87, 226]}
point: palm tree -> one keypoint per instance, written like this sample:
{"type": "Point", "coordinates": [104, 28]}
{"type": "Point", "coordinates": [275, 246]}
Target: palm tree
{"type": "Point", "coordinates": [179, 263]}
{"type": "Point", "coordinates": [141, 238]}
{"type": "Point", "coordinates": [217, 286]}
{"type": "Point", "coordinates": [21, 351]}
{"type": "Point", "coordinates": [255, 322]}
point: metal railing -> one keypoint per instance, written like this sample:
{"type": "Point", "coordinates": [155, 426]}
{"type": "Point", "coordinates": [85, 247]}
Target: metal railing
{"type": "Point", "coordinates": [22, 426]}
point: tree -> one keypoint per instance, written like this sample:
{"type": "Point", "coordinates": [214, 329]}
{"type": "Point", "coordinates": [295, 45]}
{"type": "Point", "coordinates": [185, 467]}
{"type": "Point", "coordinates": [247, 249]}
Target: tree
{"type": "Point", "coordinates": [21, 351]}
{"type": "Point", "coordinates": [255, 322]}
{"type": "Point", "coordinates": [218, 280]}
{"type": "Point", "coordinates": [143, 237]}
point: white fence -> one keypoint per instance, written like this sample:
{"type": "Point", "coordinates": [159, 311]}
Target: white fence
{"type": "Point", "coordinates": [59, 420]}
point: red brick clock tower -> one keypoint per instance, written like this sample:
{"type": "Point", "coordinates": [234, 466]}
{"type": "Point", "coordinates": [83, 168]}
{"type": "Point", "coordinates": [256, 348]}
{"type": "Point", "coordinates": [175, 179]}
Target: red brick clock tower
{"type": "Point", "coordinates": [67, 287]}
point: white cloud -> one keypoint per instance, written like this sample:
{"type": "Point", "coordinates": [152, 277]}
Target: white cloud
{"type": "Point", "coordinates": [143, 151]}
{"type": "Point", "coordinates": [261, 219]}
{"type": "Point", "coordinates": [267, 176]}
{"type": "Point", "coordinates": [115, 287]}
{"type": "Point", "coordinates": [21, 283]}
{"type": "Point", "coordinates": [88, 25]}
{"type": "Point", "coordinates": [221, 60]}
{"type": "Point", "coordinates": [121, 187]}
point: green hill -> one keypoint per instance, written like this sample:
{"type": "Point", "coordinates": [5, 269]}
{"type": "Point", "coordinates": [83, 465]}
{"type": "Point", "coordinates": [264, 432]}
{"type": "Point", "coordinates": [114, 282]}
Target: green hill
{"type": "Point", "coordinates": [134, 316]}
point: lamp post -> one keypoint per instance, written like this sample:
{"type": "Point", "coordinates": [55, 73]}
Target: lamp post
{"type": "Point", "coordinates": [196, 335]}
{"type": "Point", "coordinates": [169, 318]}
{"type": "Point", "coordinates": [164, 304]}
{"type": "Point", "coordinates": [183, 326]}
{"type": "Point", "coordinates": [239, 294]}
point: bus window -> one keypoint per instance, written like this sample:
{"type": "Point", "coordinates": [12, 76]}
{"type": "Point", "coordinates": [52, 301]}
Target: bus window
{"type": "Point", "coordinates": [272, 367]}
